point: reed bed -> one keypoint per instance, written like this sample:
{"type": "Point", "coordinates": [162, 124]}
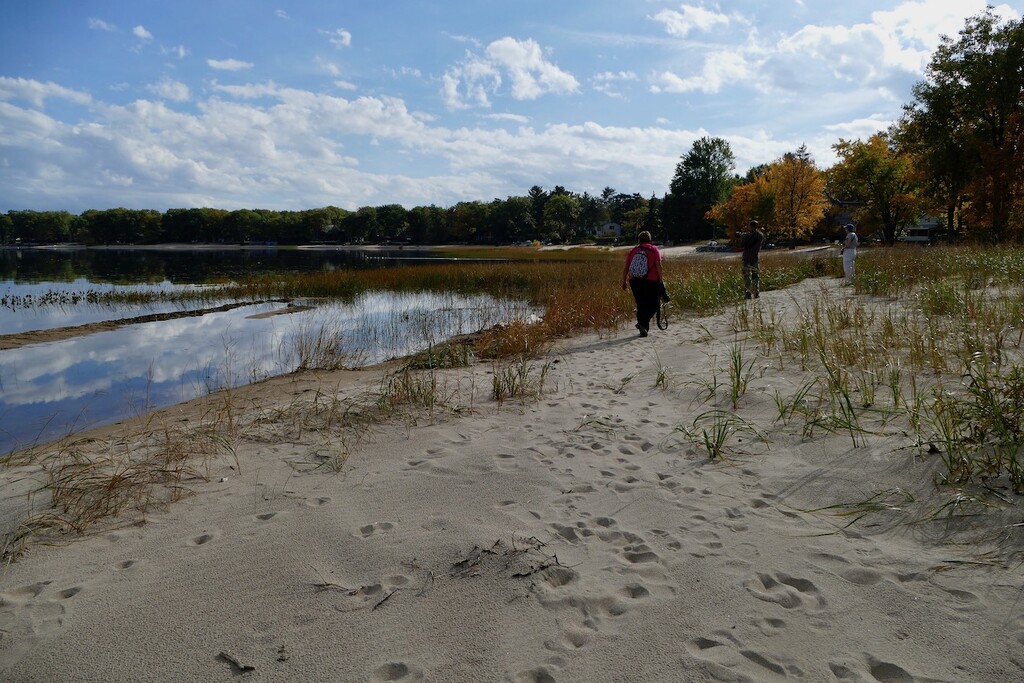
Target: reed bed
{"type": "Point", "coordinates": [939, 360]}
{"type": "Point", "coordinates": [940, 356]}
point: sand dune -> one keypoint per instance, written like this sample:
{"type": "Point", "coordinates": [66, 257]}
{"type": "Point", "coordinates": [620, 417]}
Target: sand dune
{"type": "Point", "coordinates": [578, 537]}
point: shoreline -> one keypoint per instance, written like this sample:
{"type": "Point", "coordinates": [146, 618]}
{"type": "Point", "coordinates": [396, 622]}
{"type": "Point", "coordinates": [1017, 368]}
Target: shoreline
{"type": "Point", "coordinates": [578, 534]}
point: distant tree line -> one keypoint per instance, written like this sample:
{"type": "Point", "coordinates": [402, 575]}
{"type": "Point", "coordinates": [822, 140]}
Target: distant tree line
{"type": "Point", "coordinates": [956, 153]}
{"type": "Point", "coordinates": [556, 216]}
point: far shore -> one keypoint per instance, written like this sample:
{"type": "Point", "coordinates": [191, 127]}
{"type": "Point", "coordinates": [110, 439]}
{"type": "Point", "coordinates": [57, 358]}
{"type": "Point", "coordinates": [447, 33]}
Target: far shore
{"type": "Point", "coordinates": [667, 251]}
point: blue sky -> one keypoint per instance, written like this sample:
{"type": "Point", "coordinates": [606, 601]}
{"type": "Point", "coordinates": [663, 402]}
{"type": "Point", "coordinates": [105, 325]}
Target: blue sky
{"type": "Point", "coordinates": [293, 105]}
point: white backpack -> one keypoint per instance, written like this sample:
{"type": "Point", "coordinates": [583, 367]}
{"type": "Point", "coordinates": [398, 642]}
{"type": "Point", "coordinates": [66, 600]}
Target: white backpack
{"type": "Point", "coordinates": [638, 265]}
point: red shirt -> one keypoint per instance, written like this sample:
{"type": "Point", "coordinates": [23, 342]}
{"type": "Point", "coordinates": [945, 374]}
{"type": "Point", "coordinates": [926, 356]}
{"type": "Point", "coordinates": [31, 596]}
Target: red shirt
{"type": "Point", "coordinates": [653, 262]}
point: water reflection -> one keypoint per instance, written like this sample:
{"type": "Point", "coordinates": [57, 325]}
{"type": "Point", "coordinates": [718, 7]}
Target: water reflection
{"type": "Point", "coordinates": [19, 318]}
{"type": "Point", "coordinates": [186, 266]}
{"type": "Point", "coordinates": [50, 390]}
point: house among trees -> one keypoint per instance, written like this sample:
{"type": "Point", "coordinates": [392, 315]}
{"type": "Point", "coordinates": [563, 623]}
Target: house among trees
{"type": "Point", "coordinates": [926, 231]}
{"type": "Point", "coordinates": [609, 229]}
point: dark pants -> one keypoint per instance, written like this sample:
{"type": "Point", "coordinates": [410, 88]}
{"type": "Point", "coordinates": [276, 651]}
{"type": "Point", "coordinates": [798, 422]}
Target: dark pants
{"type": "Point", "coordinates": [646, 294]}
{"type": "Point", "coordinates": [752, 280]}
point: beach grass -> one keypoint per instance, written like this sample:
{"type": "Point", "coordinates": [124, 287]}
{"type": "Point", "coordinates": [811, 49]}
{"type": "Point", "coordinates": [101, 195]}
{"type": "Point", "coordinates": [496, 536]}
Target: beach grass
{"type": "Point", "coordinates": [926, 343]}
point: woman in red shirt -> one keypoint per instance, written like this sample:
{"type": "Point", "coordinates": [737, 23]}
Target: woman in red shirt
{"type": "Point", "coordinates": [642, 275]}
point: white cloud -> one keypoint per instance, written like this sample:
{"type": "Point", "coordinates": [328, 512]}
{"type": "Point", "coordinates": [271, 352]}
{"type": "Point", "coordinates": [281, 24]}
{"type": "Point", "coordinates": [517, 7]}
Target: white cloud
{"type": "Point", "coordinates": [407, 71]}
{"type": "Point", "coordinates": [721, 68]}
{"type": "Point", "coordinates": [880, 58]}
{"type": "Point", "coordinates": [170, 90]}
{"type": "Point", "coordinates": [100, 25]}
{"type": "Point", "coordinates": [37, 93]}
{"type": "Point", "coordinates": [142, 33]}
{"type": "Point", "coordinates": [287, 153]}
{"type": "Point", "coordinates": [531, 74]}
{"type": "Point", "coordinates": [229, 64]}
{"type": "Point", "coordinates": [469, 83]}
{"type": "Point", "coordinates": [272, 145]}
{"type": "Point", "coordinates": [281, 14]}
{"type": "Point", "coordinates": [607, 81]}
{"type": "Point", "coordinates": [340, 37]}
{"type": "Point", "coordinates": [327, 67]}
{"type": "Point", "coordinates": [465, 39]}
{"type": "Point", "coordinates": [179, 51]}
{"type": "Point", "coordinates": [681, 23]}
{"type": "Point", "coordinates": [522, 61]}
{"type": "Point", "coordinates": [515, 118]}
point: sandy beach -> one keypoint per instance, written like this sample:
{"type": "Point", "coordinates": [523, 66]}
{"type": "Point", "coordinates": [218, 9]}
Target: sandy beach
{"type": "Point", "coordinates": [579, 535]}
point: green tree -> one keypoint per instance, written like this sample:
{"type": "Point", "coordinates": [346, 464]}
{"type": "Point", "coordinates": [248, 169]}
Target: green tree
{"type": "Point", "coordinates": [538, 197]}
{"type": "Point", "coordinates": [511, 220]}
{"type": "Point", "coordinates": [394, 221]}
{"type": "Point", "coordinates": [561, 216]}
{"type": "Point", "coordinates": [967, 122]}
{"type": "Point", "coordinates": [6, 229]}
{"type": "Point", "coordinates": [652, 218]}
{"type": "Point", "coordinates": [702, 179]}
{"type": "Point", "coordinates": [427, 225]}
{"type": "Point", "coordinates": [359, 226]}
{"type": "Point", "coordinates": [465, 220]}
{"type": "Point", "coordinates": [636, 220]}
{"type": "Point", "coordinates": [41, 226]}
{"type": "Point", "coordinates": [593, 213]}
{"type": "Point", "coordinates": [243, 225]}
{"type": "Point", "coordinates": [882, 178]}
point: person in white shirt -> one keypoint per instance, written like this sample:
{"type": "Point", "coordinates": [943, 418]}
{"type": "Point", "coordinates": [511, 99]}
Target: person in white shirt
{"type": "Point", "coordinates": [849, 252]}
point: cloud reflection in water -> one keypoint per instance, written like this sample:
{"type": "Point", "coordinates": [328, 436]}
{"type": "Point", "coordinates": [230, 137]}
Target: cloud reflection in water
{"type": "Point", "coordinates": [50, 390]}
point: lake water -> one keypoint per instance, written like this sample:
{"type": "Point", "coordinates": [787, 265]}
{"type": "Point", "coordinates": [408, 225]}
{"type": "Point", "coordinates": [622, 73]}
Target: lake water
{"type": "Point", "coordinates": [53, 389]}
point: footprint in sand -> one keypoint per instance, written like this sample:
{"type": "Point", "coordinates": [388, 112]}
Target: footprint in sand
{"type": "Point", "coordinates": [784, 590]}
{"type": "Point", "coordinates": [635, 591]}
{"type": "Point", "coordinates": [69, 592]}
{"type": "Point", "coordinates": [370, 529]}
{"type": "Point", "coordinates": [506, 462]}
{"type": "Point", "coordinates": [572, 534]}
{"type": "Point", "coordinates": [24, 614]}
{"type": "Point", "coordinates": [640, 553]}
{"type": "Point", "coordinates": [887, 672]}
{"type": "Point", "coordinates": [770, 626]}
{"type": "Point", "coordinates": [396, 671]}
{"type": "Point", "coordinates": [539, 674]}
{"type": "Point", "coordinates": [558, 576]}
{"type": "Point", "coordinates": [728, 659]}
{"type": "Point", "coordinates": [861, 576]}
{"type": "Point", "coordinates": [202, 539]}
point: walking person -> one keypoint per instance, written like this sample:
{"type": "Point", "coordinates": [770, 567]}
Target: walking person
{"type": "Point", "coordinates": [750, 243]}
{"type": "Point", "coordinates": [849, 252]}
{"type": "Point", "coordinates": [642, 275]}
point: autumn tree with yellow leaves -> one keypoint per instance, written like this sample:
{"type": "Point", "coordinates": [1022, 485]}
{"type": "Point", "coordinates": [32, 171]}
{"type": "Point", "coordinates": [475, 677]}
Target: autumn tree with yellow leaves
{"type": "Point", "coordinates": [787, 198]}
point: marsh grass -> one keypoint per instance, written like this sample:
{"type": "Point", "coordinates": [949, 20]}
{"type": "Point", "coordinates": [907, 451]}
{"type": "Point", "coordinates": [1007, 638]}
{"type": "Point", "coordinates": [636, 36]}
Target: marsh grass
{"type": "Point", "coordinates": [412, 388]}
{"type": "Point", "coordinates": [519, 379]}
{"type": "Point", "coordinates": [942, 355]}
{"type": "Point", "coordinates": [886, 501]}
{"type": "Point", "coordinates": [796, 403]}
{"type": "Point", "coordinates": [741, 371]}
{"type": "Point", "coordinates": [321, 346]}
{"type": "Point", "coordinates": [714, 430]}
{"type": "Point", "coordinates": [945, 352]}
{"type": "Point", "coordinates": [518, 338]}
{"type": "Point", "coordinates": [445, 355]}
{"type": "Point", "coordinates": [86, 483]}
{"type": "Point", "coordinates": [662, 374]}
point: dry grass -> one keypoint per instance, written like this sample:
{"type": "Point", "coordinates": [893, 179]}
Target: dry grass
{"type": "Point", "coordinates": [939, 360]}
